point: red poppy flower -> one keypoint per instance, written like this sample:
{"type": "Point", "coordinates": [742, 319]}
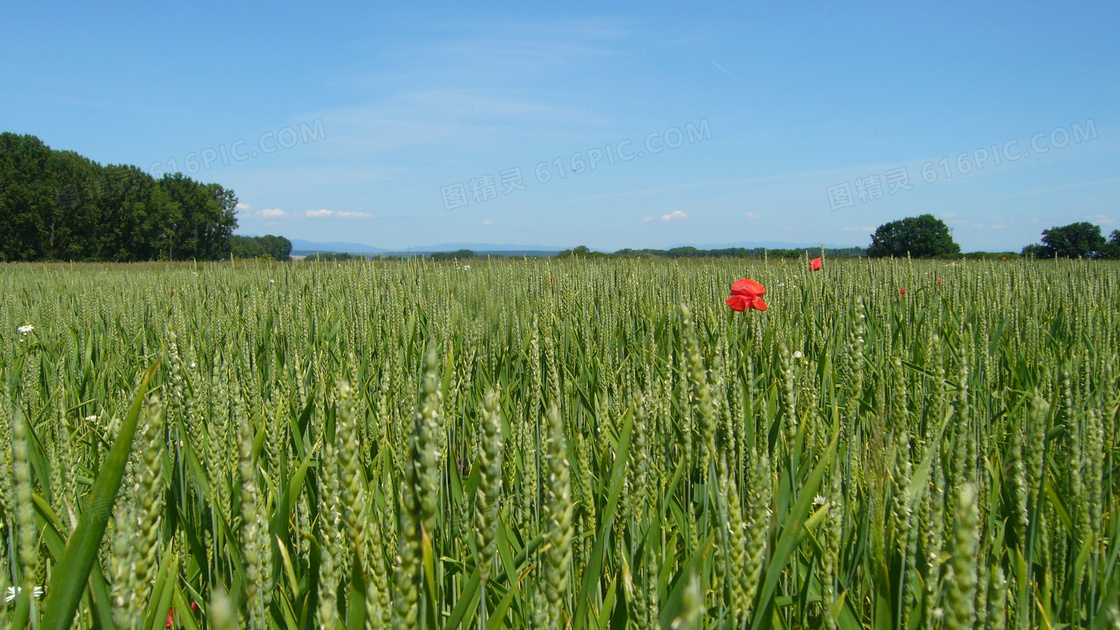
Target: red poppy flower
{"type": "Point", "coordinates": [939, 281]}
{"type": "Point", "coordinates": [170, 618]}
{"type": "Point", "coordinates": [1004, 258]}
{"type": "Point", "coordinates": [815, 264]}
{"type": "Point", "coordinates": [902, 292]}
{"type": "Point", "coordinates": [747, 287]}
{"type": "Point", "coordinates": [743, 302]}
{"type": "Point", "coordinates": [552, 279]}
{"type": "Point", "coordinates": [746, 293]}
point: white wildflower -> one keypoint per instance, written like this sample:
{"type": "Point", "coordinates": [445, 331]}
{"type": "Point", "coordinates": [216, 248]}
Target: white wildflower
{"type": "Point", "coordinates": [23, 330]}
{"type": "Point", "coordinates": [797, 355]}
{"type": "Point", "coordinates": [13, 591]}
{"type": "Point", "coordinates": [91, 418]}
{"type": "Point", "coordinates": [819, 500]}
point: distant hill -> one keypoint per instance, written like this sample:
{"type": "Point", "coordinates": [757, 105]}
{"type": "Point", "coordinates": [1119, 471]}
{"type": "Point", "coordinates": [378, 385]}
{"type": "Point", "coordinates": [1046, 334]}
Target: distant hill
{"type": "Point", "coordinates": [486, 247]}
{"type": "Point", "coordinates": [765, 244]}
{"type": "Point", "coordinates": [511, 253]}
{"type": "Point", "coordinates": [300, 246]}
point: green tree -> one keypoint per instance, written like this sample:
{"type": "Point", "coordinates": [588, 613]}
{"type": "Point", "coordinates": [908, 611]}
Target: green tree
{"type": "Point", "coordinates": [69, 219]}
{"type": "Point", "coordinates": [199, 220]}
{"type": "Point", "coordinates": [1112, 250]}
{"type": "Point", "coordinates": [275, 247]}
{"type": "Point", "coordinates": [246, 247]}
{"type": "Point", "coordinates": [278, 247]}
{"type": "Point", "coordinates": [58, 205]}
{"type": "Point", "coordinates": [455, 255]}
{"type": "Point", "coordinates": [923, 236]}
{"type": "Point", "coordinates": [582, 251]}
{"type": "Point", "coordinates": [25, 192]}
{"type": "Point", "coordinates": [128, 215]}
{"type": "Point", "coordinates": [1076, 240]}
{"type": "Point", "coordinates": [332, 257]}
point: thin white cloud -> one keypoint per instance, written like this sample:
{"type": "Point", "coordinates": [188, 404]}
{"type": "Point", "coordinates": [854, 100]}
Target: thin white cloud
{"type": "Point", "coordinates": [645, 219]}
{"type": "Point", "coordinates": [270, 213]}
{"type": "Point", "coordinates": [1103, 219]}
{"type": "Point", "coordinates": [862, 228]}
{"type": "Point", "coordinates": [675, 215]}
{"type": "Point", "coordinates": [996, 226]}
{"type": "Point", "coordinates": [243, 206]}
{"type": "Point", "coordinates": [1065, 187]}
{"type": "Point", "coordinates": [753, 215]}
{"type": "Point", "coordinates": [323, 212]}
{"type": "Point", "coordinates": [725, 71]}
{"type": "Point", "coordinates": [488, 222]}
{"type": "Point", "coordinates": [949, 215]}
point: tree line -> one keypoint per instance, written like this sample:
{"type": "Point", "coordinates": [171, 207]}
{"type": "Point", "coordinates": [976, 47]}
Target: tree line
{"type": "Point", "coordinates": [1076, 240]}
{"type": "Point", "coordinates": [58, 205]}
{"type": "Point", "coordinates": [267, 246]}
{"type": "Point", "coordinates": [926, 236]}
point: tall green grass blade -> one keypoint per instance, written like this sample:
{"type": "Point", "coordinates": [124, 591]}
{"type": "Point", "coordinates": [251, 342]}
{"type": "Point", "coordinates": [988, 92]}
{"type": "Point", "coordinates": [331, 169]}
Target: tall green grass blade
{"type": "Point", "coordinates": [70, 574]}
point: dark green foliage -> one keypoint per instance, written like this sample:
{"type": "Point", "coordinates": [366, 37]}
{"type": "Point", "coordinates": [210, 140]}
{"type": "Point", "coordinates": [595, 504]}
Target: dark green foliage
{"type": "Point", "coordinates": [278, 247]}
{"type": "Point", "coordinates": [275, 247]}
{"type": "Point", "coordinates": [24, 175]}
{"type": "Point", "coordinates": [332, 257]}
{"type": "Point", "coordinates": [462, 254]}
{"type": "Point", "coordinates": [582, 251]}
{"type": "Point", "coordinates": [1076, 240]}
{"type": "Point", "coordinates": [199, 218]}
{"type": "Point", "coordinates": [58, 205]}
{"type": "Point", "coordinates": [1112, 249]}
{"type": "Point", "coordinates": [246, 247]}
{"type": "Point", "coordinates": [990, 255]}
{"type": "Point", "coordinates": [923, 236]}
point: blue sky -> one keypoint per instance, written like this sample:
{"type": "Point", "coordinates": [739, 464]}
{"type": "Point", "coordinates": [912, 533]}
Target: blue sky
{"type": "Point", "coordinates": [800, 123]}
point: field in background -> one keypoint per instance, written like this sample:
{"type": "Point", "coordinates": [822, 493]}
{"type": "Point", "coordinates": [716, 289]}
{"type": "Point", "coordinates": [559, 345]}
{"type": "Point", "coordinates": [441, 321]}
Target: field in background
{"type": "Point", "coordinates": [586, 444]}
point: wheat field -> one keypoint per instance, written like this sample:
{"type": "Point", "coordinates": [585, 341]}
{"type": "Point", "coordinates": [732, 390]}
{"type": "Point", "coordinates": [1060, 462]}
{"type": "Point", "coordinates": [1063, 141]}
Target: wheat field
{"type": "Point", "coordinates": [553, 443]}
